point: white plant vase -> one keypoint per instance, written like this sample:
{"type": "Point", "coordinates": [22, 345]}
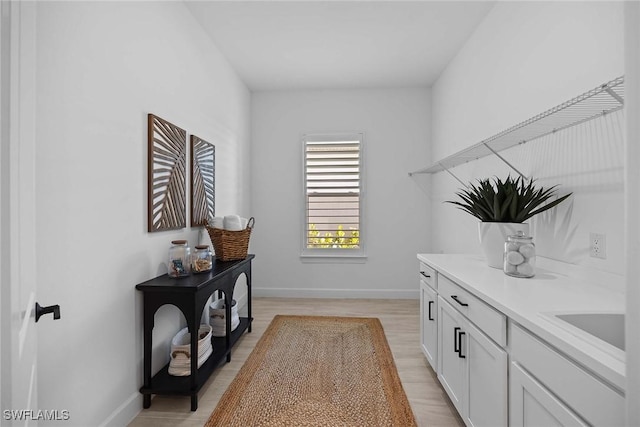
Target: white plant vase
{"type": "Point", "coordinates": [492, 237]}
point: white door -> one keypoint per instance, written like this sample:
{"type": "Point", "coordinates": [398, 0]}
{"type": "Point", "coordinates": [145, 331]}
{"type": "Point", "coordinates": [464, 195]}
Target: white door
{"type": "Point", "coordinates": [532, 405]}
{"type": "Point", "coordinates": [429, 323]}
{"type": "Point", "coordinates": [18, 364]}
{"type": "Point", "coordinates": [451, 362]}
{"type": "Point", "coordinates": [486, 380]}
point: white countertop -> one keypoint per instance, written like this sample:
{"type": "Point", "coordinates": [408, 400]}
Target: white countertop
{"type": "Point", "coordinates": [553, 290]}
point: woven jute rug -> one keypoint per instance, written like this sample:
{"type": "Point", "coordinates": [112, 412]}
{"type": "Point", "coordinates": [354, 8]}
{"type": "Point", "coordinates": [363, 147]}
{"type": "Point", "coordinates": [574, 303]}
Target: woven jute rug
{"type": "Point", "coordinates": [317, 371]}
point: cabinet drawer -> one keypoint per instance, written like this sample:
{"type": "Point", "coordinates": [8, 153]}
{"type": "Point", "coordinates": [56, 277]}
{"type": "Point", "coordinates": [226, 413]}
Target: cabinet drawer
{"type": "Point", "coordinates": [590, 398]}
{"type": "Point", "coordinates": [428, 275]}
{"type": "Point", "coordinates": [489, 320]}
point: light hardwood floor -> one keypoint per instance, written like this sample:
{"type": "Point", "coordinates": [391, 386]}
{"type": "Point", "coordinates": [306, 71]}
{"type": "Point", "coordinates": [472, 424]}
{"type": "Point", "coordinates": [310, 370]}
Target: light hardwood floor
{"type": "Point", "coordinates": [399, 318]}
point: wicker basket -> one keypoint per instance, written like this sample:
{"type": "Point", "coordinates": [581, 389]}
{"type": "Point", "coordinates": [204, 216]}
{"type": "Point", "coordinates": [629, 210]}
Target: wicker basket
{"type": "Point", "coordinates": [230, 245]}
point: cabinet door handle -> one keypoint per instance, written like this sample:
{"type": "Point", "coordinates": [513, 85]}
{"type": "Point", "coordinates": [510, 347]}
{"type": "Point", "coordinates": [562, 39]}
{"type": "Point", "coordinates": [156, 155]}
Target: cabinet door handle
{"type": "Point", "coordinates": [430, 304]}
{"type": "Point", "coordinates": [425, 274]}
{"type": "Point", "coordinates": [455, 298]}
{"type": "Point", "coordinates": [456, 343]}
{"type": "Point", "coordinates": [460, 355]}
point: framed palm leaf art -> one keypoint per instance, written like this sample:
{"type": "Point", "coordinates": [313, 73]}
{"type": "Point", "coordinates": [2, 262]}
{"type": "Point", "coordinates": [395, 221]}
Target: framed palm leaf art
{"type": "Point", "coordinates": [167, 175]}
{"type": "Point", "coordinates": [203, 176]}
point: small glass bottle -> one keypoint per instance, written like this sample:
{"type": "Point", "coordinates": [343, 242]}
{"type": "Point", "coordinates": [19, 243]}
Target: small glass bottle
{"type": "Point", "coordinates": [202, 260]}
{"type": "Point", "coordinates": [179, 259]}
{"type": "Point", "coordinates": [519, 256]}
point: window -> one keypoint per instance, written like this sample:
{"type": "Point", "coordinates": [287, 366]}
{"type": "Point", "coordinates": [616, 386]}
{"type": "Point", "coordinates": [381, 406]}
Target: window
{"type": "Point", "coordinates": [333, 195]}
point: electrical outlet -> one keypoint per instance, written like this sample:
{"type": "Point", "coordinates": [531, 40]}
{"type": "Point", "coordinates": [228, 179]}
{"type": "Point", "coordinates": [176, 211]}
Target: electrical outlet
{"type": "Point", "coordinates": [598, 245]}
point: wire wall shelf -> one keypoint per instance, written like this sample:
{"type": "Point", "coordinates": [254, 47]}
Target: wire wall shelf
{"type": "Point", "coordinates": [604, 99]}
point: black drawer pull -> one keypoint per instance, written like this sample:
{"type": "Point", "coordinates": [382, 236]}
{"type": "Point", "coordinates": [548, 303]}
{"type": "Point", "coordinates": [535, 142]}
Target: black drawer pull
{"type": "Point", "coordinates": [430, 304]}
{"type": "Point", "coordinates": [455, 298]}
{"type": "Point", "coordinates": [425, 274]}
{"type": "Point", "coordinates": [460, 355]}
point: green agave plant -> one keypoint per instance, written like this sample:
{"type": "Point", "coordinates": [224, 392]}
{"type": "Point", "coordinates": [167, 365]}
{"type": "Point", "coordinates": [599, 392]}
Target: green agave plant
{"type": "Point", "coordinates": [511, 200]}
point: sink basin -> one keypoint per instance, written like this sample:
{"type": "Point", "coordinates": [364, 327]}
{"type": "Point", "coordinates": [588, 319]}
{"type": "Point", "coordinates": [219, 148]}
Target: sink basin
{"type": "Point", "coordinates": [609, 327]}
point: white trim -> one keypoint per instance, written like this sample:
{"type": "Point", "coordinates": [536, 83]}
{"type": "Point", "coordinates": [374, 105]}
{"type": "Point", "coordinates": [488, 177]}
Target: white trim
{"type": "Point", "coordinates": [336, 293]}
{"type": "Point", "coordinates": [632, 208]}
{"type": "Point", "coordinates": [333, 258]}
{"type": "Point", "coordinates": [5, 226]}
{"type": "Point", "coordinates": [126, 412]}
{"type": "Point", "coordinates": [26, 321]}
{"type": "Point", "coordinates": [18, 204]}
{"type": "Point", "coordinates": [333, 136]}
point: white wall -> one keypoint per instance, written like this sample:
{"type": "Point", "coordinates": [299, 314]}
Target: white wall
{"type": "Point", "coordinates": [102, 66]}
{"type": "Point", "coordinates": [396, 140]}
{"type": "Point", "coordinates": [525, 58]}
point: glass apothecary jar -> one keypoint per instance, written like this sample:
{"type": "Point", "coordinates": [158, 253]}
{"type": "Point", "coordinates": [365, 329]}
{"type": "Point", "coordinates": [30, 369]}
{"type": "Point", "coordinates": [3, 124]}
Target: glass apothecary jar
{"type": "Point", "coordinates": [179, 259]}
{"type": "Point", "coordinates": [520, 256]}
{"type": "Point", "coordinates": [202, 259]}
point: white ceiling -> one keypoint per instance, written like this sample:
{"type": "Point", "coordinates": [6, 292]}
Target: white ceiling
{"type": "Point", "coordinates": [280, 45]}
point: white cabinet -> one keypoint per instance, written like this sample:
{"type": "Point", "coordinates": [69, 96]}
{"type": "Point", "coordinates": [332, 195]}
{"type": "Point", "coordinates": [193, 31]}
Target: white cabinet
{"type": "Point", "coordinates": [429, 314]}
{"type": "Point", "coordinates": [429, 323]}
{"type": "Point", "coordinates": [532, 405]}
{"type": "Point", "coordinates": [542, 377]}
{"type": "Point", "coordinates": [450, 357]}
{"type": "Point", "coordinates": [497, 370]}
{"type": "Point", "coordinates": [487, 384]}
{"type": "Point", "coordinates": [471, 368]}
{"type": "Point", "coordinates": [458, 335]}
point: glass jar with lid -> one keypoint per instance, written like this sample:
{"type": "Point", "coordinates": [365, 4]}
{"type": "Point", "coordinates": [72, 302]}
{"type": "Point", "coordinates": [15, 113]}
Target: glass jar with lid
{"type": "Point", "coordinates": [520, 256]}
{"type": "Point", "coordinates": [179, 259]}
{"type": "Point", "coordinates": [202, 259]}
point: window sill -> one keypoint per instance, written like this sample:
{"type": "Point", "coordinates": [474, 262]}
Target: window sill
{"type": "Point", "coordinates": [333, 258]}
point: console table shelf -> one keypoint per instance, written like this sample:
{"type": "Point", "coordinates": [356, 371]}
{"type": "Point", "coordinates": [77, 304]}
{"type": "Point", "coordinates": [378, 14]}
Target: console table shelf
{"type": "Point", "coordinates": [163, 383]}
{"type": "Point", "coordinates": [191, 294]}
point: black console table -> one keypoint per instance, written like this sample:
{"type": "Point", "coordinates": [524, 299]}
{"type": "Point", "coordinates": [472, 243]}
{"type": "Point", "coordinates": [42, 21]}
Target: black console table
{"type": "Point", "coordinates": [190, 294]}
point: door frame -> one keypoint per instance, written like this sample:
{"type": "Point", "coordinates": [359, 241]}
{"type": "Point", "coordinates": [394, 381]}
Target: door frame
{"type": "Point", "coordinates": [632, 207]}
{"type": "Point", "coordinates": [5, 28]}
{"type": "Point", "coordinates": [18, 343]}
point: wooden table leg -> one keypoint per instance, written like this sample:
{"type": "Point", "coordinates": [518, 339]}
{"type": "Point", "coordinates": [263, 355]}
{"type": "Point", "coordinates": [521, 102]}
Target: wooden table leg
{"type": "Point", "coordinates": [148, 320]}
{"type": "Point", "coordinates": [194, 402]}
{"type": "Point", "coordinates": [146, 401]}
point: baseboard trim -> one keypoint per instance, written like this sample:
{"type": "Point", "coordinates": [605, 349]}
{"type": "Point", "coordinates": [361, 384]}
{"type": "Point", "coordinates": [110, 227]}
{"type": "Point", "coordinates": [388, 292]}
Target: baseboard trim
{"type": "Point", "coordinates": [335, 293]}
{"type": "Point", "coordinates": [126, 412]}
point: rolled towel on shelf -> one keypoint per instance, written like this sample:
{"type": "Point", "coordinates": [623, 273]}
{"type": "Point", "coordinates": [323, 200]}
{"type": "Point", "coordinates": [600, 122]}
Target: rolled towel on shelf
{"type": "Point", "coordinates": [232, 223]}
{"type": "Point", "coordinates": [217, 222]}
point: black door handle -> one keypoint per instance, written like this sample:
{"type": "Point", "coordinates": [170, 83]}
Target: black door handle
{"type": "Point", "coordinates": [429, 305]}
{"type": "Point", "coordinates": [460, 355]}
{"type": "Point", "coordinates": [456, 343]}
{"type": "Point", "coordinates": [40, 311]}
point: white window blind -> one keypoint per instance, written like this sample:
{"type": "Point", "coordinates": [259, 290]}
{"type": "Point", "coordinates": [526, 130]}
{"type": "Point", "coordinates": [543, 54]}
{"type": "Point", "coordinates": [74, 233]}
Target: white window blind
{"type": "Point", "coordinates": [333, 173]}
